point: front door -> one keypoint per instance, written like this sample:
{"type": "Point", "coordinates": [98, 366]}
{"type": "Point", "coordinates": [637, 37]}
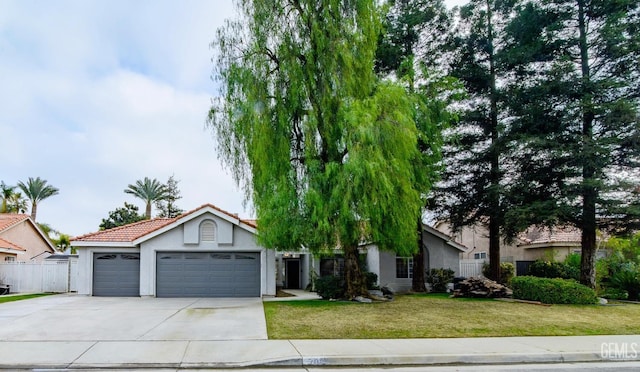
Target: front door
{"type": "Point", "coordinates": [292, 273]}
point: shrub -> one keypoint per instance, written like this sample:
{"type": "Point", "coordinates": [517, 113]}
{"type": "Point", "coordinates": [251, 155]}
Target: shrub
{"type": "Point", "coordinates": [614, 293]}
{"type": "Point", "coordinates": [549, 269]}
{"type": "Point", "coordinates": [439, 278]}
{"type": "Point", "coordinates": [329, 287]}
{"type": "Point", "coordinates": [627, 278]}
{"type": "Point", "coordinates": [507, 270]}
{"type": "Point", "coordinates": [371, 279]}
{"type": "Point", "coordinates": [552, 291]}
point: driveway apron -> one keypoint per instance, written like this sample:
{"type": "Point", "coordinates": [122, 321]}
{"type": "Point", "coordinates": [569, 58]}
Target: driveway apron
{"type": "Point", "coordinates": [82, 318]}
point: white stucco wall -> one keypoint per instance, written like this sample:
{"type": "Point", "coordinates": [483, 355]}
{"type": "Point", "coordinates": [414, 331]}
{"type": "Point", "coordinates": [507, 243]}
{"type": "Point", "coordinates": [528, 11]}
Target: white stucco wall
{"type": "Point", "coordinates": [85, 265]}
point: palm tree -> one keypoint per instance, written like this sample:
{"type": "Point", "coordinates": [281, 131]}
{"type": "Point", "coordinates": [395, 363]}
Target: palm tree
{"type": "Point", "coordinates": [16, 203]}
{"type": "Point", "coordinates": [149, 190]}
{"type": "Point", "coordinates": [37, 190]}
{"type": "Point", "coordinates": [7, 193]}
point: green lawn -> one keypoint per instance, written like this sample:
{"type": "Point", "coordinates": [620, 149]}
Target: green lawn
{"type": "Point", "coordinates": [22, 297]}
{"type": "Point", "coordinates": [422, 316]}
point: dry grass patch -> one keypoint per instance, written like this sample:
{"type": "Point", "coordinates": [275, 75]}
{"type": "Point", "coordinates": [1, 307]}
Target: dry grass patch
{"type": "Point", "coordinates": [423, 316]}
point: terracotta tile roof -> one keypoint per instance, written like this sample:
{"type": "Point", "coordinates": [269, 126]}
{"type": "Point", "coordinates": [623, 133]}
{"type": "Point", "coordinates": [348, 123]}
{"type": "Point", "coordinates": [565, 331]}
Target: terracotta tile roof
{"type": "Point", "coordinates": [8, 220]}
{"type": "Point", "coordinates": [126, 233]}
{"type": "Point", "coordinates": [8, 244]}
{"type": "Point", "coordinates": [131, 232]}
{"type": "Point", "coordinates": [545, 235]}
{"type": "Point", "coordinates": [252, 223]}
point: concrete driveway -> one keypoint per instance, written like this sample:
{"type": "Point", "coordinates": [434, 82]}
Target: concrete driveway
{"type": "Point", "coordinates": [70, 317]}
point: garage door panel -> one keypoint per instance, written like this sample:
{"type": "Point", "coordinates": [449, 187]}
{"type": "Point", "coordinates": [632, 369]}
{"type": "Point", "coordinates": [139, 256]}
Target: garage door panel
{"type": "Point", "coordinates": [213, 274]}
{"type": "Point", "coordinates": [116, 274]}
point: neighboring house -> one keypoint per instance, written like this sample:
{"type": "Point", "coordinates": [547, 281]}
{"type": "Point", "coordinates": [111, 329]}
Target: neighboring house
{"type": "Point", "coordinates": [206, 252]}
{"type": "Point", "coordinates": [536, 243]}
{"type": "Point", "coordinates": [21, 240]}
{"type": "Point", "coordinates": [295, 268]}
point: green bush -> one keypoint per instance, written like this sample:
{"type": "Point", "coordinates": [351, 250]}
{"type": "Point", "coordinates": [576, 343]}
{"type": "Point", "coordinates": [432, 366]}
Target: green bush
{"type": "Point", "coordinates": [329, 287]}
{"type": "Point", "coordinates": [439, 278]}
{"type": "Point", "coordinates": [614, 293]}
{"type": "Point", "coordinates": [552, 291]}
{"type": "Point", "coordinates": [507, 270]}
{"type": "Point", "coordinates": [549, 269]}
{"type": "Point", "coordinates": [371, 279]}
{"type": "Point", "coordinates": [627, 278]}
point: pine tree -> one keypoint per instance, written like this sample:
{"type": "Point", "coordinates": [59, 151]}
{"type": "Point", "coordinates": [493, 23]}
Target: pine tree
{"type": "Point", "coordinates": [576, 111]}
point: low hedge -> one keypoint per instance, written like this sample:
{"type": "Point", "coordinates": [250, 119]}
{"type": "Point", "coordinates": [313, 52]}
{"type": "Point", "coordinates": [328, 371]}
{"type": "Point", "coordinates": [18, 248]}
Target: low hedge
{"type": "Point", "coordinates": [552, 291]}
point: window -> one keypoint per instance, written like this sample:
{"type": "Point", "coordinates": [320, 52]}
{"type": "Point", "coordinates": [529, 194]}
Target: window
{"type": "Point", "coordinates": [332, 266]}
{"type": "Point", "coordinates": [9, 258]}
{"type": "Point", "coordinates": [208, 231]}
{"type": "Point", "coordinates": [404, 267]}
{"type": "Point", "coordinates": [480, 255]}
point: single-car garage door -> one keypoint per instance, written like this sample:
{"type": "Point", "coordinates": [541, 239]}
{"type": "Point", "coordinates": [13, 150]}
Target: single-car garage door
{"type": "Point", "coordinates": [116, 274]}
{"type": "Point", "coordinates": [207, 274]}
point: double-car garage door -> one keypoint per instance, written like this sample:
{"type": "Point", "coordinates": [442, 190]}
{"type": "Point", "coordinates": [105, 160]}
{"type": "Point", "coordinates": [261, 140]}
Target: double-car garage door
{"type": "Point", "coordinates": [180, 274]}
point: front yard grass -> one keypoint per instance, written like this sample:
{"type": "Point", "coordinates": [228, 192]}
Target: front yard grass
{"type": "Point", "coordinates": [22, 297]}
{"type": "Point", "coordinates": [433, 315]}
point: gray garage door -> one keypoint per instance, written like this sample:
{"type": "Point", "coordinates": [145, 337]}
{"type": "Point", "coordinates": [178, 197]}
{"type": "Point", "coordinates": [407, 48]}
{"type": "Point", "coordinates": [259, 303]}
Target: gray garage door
{"type": "Point", "coordinates": [116, 274]}
{"type": "Point", "coordinates": [200, 274]}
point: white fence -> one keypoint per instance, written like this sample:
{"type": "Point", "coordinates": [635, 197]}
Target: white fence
{"type": "Point", "coordinates": [47, 276]}
{"type": "Point", "coordinates": [471, 267]}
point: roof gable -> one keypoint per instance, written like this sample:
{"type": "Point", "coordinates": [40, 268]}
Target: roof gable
{"type": "Point", "coordinates": [138, 232]}
{"type": "Point", "coordinates": [446, 238]}
{"type": "Point", "coordinates": [10, 220]}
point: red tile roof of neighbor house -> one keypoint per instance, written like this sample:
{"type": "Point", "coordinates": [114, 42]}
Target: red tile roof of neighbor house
{"type": "Point", "coordinates": [557, 234]}
{"type": "Point", "coordinates": [8, 220]}
{"type": "Point", "coordinates": [8, 244]}
{"type": "Point", "coordinates": [136, 230]}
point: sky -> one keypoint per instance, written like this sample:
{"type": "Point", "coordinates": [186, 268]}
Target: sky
{"type": "Point", "coordinates": [95, 95]}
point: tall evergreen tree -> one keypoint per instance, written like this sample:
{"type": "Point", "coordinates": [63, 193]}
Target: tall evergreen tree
{"type": "Point", "coordinates": [475, 181]}
{"type": "Point", "coordinates": [167, 207]}
{"type": "Point", "coordinates": [324, 149]}
{"type": "Point", "coordinates": [576, 110]}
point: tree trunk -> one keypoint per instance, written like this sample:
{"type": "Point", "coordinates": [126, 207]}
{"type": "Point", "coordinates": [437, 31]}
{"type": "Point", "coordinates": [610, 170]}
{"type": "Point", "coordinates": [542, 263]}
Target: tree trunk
{"type": "Point", "coordinates": [34, 210]}
{"type": "Point", "coordinates": [589, 192]}
{"type": "Point", "coordinates": [353, 276]}
{"type": "Point", "coordinates": [147, 212]}
{"type": "Point", "coordinates": [417, 283]}
{"type": "Point", "coordinates": [495, 213]}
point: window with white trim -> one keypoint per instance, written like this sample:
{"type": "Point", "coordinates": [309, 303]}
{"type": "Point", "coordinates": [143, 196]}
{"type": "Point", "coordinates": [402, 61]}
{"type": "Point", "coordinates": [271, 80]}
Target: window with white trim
{"type": "Point", "coordinates": [208, 231]}
{"type": "Point", "coordinates": [480, 255]}
{"type": "Point", "coordinates": [404, 267]}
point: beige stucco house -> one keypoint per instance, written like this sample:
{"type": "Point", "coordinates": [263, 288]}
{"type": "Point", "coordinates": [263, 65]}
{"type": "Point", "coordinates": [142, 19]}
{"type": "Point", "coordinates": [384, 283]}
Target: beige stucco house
{"type": "Point", "coordinates": [536, 243]}
{"type": "Point", "coordinates": [21, 240]}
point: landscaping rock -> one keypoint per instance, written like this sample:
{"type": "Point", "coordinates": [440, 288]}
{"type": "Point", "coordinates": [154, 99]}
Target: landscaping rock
{"type": "Point", "coordinates": [481, 287]}
{"type": "Point", "coordinates": [363, 300]}
{"type": "Point", "coordinates": [387, 291]}
{"type": "Point", "coordinates": [376, 292]}
{"type": "Point", "coordinates": [602, 301]}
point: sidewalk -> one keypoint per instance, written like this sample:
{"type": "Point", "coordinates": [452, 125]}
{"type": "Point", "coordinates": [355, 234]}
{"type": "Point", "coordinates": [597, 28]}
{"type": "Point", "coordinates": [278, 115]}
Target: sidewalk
{"type": "Point", "coordinates": [316, 353]}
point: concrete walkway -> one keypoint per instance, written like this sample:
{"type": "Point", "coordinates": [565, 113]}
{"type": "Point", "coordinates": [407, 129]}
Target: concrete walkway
{"type": "Point", "coordinates": [315, 353]}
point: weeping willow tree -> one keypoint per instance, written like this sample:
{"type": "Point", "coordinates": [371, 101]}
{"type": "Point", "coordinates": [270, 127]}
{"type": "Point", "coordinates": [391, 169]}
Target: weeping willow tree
{"type": "Point", "coordinates": [323, 148]}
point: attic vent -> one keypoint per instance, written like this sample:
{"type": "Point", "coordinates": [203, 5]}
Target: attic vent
{"type": "Point", "coordinates": [208, 231]}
